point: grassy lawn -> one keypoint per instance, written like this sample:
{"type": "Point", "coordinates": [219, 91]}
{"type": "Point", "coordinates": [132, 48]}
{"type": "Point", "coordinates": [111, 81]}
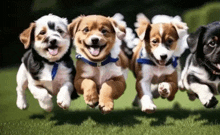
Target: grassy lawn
{"type": "Point", "coordinates": [180, 116]}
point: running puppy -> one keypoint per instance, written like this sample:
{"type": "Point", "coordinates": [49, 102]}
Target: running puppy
{"type": "Point", "coordinates": [155, 58]}
{"type": "Point", "coordinates": [47, 68]}
{"type": "Point", "coordinates": [202, 71]}
{"type": "Point", "coordinates": [100, 63]}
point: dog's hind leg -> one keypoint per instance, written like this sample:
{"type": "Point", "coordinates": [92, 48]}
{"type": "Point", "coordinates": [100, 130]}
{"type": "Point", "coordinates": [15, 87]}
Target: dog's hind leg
{"type": "Point", "coordinates": [154, 90]}
{"type": "Point", "coordinates": [22, 83]}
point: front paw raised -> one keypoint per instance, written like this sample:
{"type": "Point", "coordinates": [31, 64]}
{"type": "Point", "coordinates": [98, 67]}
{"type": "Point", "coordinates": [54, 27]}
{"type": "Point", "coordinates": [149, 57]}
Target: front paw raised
{"type": "Point", "coordinates": [164, 89]}
{"type": "Point", "coordinates": [147, 105]}
{"type": "Point", "coordinates": [211, 103]}
{"type": "Point", "coordinates": [91, 99]}
{"type": "Point", "coordinates": [21, 103]}
{"type": "Point", "coordinates": [63, 100]}
{"type": "Point", "coordinates": [45, 101]}
{"type": "Point", "coordinates": [106, 105]}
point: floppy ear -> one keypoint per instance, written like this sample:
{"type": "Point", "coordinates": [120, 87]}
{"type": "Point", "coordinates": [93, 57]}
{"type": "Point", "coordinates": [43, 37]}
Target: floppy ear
{"type": "Point", "coordinates": [195, 38]}
{"type": "Point", "coordinates": [73, 26]}
{"type": "Point", "coordinates": [181, 28]}
{"type": "Point", "coordinates": [143, 30]}
{"type": "Point", "coordinates": [143, 26]}
{"type": "Point", "coordinates": [119, 29]}
{"type": "Point", "coordinates": [25, 36]}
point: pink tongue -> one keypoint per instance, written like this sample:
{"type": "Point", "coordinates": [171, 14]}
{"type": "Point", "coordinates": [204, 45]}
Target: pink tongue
{"type": "Point", "coordinates": [53, 51]}
{"type": "Point", "coordinates": [94, 51]}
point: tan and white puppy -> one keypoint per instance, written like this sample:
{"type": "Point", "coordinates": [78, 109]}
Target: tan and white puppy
{"type": "Point", "coordinates": [155, 58]}
{"type": "Point", "coordinates": [100, 64]}
{"type": "Point", "coordinates": [47, 68]}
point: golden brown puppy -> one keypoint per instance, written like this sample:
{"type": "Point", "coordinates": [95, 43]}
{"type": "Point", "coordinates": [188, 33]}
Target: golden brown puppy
{"type": "Point", "coordinates": [100, 63]}
{"type": "Point", "coordinates": [155, 59]}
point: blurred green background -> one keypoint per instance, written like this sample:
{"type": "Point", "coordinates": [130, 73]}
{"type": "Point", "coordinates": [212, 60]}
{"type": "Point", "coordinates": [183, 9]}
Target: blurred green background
{"type": "Point", "coordinates": [180, 116]}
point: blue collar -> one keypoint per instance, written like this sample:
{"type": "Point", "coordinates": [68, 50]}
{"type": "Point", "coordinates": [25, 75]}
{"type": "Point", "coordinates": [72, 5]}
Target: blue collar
{"type": "Point", "coordinates": [97, 64]}
{"type": "Point", "coordinates": [172, 61]}
{"type": "Point", "coordinates": [54, 70]}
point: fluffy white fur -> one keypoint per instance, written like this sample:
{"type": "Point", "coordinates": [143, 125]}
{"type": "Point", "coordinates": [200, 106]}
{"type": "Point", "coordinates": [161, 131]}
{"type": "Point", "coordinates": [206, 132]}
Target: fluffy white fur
{"type": "Point", "coordinates": [61, 85]}
{"type": "Point", "coordinates": [62, 41]}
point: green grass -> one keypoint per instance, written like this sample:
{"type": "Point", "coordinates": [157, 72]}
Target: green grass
{"type": "Point", "coordinates": [180, 116]}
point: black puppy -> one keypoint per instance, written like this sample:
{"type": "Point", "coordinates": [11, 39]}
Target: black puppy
{"type": "Point", "coordinates": [201, 75]}
{"type": "Point", "coordinates": [47, 68]}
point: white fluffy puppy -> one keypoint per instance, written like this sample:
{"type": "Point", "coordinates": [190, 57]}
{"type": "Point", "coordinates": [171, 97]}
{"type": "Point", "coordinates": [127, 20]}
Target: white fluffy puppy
{"type": "Point", "coordinates": [47, 68]}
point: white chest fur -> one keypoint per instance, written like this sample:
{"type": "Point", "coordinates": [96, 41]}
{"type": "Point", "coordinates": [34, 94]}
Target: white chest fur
{"type": "Point", "coordinates": [45, 77]}
{"type": "Point", "coordinates": [150, 71]}
{"type": "Point", "coordinates": [103, 73]}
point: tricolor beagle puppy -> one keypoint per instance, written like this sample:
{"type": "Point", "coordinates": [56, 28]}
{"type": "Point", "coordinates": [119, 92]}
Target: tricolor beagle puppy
{"type": "Point", "coordinates": [100, 63]}
{"type": "Point", "coordinates": [47, 68]}
{"type": "Point", "coordinates": [155, 58]}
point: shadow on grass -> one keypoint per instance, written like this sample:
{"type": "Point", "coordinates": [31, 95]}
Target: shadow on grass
{"type": "Point", "coordinates": [128, 117]}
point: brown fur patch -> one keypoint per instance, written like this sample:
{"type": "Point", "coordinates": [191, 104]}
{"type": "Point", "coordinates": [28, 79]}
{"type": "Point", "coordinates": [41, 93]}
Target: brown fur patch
{"type": "Point", "coordinates": [41, 36]}
{"type": "Point", "coordinates": [123, 60]}
{"type": "Point", "coordinates": [94, 24]}
{"type": "Point", "coordinates": [25, 36]}
{"type": "Point", "coordinates": [91, 86]}
{"type": "Point", "coordinates": [154, 35]}
{"type": "Point", "coordinates": [161, 33]}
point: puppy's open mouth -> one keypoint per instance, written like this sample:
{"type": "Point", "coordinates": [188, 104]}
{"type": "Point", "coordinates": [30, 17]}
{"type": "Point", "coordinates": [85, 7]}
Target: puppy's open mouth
{"type": "Point", "coordinates": [53, 50]}
{"type": "Point", "coordinates": [161, 62]}
{"type": "Point", "coordinates": [95, 50]}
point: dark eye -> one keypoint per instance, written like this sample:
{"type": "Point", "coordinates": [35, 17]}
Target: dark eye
{"type": "Point", "coordinates": [212, 44]}
{"type": "Point", "coordinates": [104, 31]}
{"type": "Point", "coordinates": [86, 29]}
{"type": "Point", "coordinates": [169, 41]}
{"type": "Point", "coordinates": [42, 32]}
{"type": "Point", "coordinates": [60, 31]}
{"type": "Point", "coordinates": [154, 41]}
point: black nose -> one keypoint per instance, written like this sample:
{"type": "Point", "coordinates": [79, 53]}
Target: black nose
{"type": "Point", "coordinates": [163, 57]}
{"type": "Point", "coordinates": [53, 42]}
{"type": "Point", "coordinates": [95, 40]}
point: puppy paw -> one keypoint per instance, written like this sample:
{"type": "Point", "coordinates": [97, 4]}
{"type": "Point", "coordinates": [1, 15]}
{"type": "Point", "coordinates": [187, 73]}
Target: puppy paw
{"type": "Point", "coordinates": [46, 103]}
{"type": "Point", "coordinates": [106, 106]}
{"type": "Point", "coordinates": [63, 100]}
{"type": "Point", "coordinates": [91, 99]}
{"type": "Point", "coordinates": [164, 89]}
{"type": "Point", "coordinates": [192, 96]}
{"type": "Point", "coordinates": [148, 108]}
{"type": "Point", "coordinates": [21, 103]}
{"type": "Point", "coordinates": [147, 105]}
{"type": "Point", "coordinates": [212, 103]}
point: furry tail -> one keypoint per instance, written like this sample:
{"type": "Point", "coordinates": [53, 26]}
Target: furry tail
{"type": "Point", "coordinates": [130, 40]}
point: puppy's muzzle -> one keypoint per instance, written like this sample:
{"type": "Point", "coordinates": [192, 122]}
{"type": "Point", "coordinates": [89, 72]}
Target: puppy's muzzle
{"type": "Point", "coordinates": [163, 57]}
{"type": "Point", "coordinates": [95, 40]}
{"type": "Point", "coordinates": [52, 45]}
